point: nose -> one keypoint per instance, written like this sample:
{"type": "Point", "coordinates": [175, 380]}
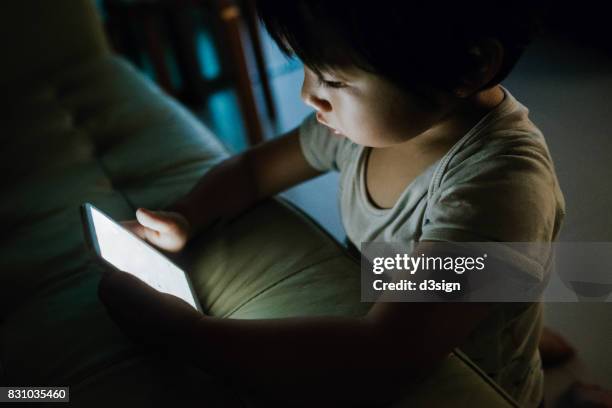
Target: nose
{"type": "Point", "coordinates": [320, 104]}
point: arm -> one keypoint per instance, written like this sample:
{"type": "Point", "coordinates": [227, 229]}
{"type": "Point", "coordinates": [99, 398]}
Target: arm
{"type": "Point", "coordinates": [240, 181]}
{"type": "Point", "coordinates": [340, 360]}
{"type": "Point", "coordinates": [225, 191]}
{"type": "Point", "coordinates": [343, 359]}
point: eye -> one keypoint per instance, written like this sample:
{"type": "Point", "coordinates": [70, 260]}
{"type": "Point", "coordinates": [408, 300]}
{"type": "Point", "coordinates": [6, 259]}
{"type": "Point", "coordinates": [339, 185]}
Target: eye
{"type": "Point", "coordinates": [331, 84]}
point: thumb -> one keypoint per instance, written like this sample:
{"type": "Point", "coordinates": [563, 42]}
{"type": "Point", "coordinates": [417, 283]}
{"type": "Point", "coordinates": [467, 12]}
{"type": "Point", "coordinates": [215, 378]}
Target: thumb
{"type": "Point", "coordinates": [134, 226]}
{"type": "Point", "coordinates": [152, 220]}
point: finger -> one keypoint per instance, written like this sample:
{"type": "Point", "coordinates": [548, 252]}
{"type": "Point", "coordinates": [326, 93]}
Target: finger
{"type": "Point", "coordinates": [143, 232]}
{"type": "Point", "coordinates": [153, 220]}
{"type": "Point", "coordinates": [135, 227]}
{"type": "Point", "coordinates": [154, 237]}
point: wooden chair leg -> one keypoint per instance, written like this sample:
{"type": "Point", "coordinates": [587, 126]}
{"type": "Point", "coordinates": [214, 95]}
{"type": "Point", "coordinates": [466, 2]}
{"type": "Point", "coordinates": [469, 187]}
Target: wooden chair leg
{"type": "Point", "coordinates": [231, 23]}
{"type": "Point", "coordinates": [156, 52]}
{"type": "Point", "coordinates": [250, 18]}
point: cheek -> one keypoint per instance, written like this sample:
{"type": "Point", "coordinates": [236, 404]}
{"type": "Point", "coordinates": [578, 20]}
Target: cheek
{"type": "Point", "coordinates": [376, 124]}
{"type": "Point", "coordinates": [359, 122]}
{"type": "Point", "coordinates": [396, 121]}
{"type": "Point", "coordinates": [378, 119]}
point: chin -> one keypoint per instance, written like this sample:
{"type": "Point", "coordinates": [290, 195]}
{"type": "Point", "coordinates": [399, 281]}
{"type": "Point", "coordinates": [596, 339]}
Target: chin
{"type": "Point", "coordinates": [360, 139]}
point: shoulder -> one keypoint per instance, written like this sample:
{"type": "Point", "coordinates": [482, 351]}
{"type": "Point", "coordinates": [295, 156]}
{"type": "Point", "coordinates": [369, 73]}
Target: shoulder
{"type": "Point", "coordinates": [509, 155]}
{"type": "Point", "coordinates": [501, 185]}
{"type": "Point", "coordinates": [508, 147]}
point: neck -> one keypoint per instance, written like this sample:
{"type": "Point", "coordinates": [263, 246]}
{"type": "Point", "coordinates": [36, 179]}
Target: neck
{"type": "Point", "coordinates": [487, 100]}
{"type": "Point", "coordinates": [459, 120]}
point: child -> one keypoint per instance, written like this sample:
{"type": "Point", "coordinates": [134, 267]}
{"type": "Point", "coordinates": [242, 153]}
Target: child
{"type": "Point", "coordinates": [404, 94]}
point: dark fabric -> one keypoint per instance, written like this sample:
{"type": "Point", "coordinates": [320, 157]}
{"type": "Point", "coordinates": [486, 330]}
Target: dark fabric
{"type": "Point", "coordinates": [352, 249]}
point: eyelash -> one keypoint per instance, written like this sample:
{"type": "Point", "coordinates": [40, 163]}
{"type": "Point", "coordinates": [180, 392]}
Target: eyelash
{"type": "Point", "coordinates": [331, 84]}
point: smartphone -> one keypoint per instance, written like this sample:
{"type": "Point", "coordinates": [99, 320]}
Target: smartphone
{"type": "Point", "coordinates": [121, 249]}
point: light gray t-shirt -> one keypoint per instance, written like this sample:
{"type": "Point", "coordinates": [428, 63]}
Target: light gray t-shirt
{"type": "Point", "coordinates": [497, 183]}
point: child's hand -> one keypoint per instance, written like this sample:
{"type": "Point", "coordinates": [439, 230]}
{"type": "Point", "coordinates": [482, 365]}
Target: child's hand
{"type": "Point", "coordinates": [144, 314]}
{"type": "Point", "coordinates": [166, 230]}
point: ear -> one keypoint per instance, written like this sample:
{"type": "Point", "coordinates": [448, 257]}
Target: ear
{"type": "Point", "coordinates": [488, 55]}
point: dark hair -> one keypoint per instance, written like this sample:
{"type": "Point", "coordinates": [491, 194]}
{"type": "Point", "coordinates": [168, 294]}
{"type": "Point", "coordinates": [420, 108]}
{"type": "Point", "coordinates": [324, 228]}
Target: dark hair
{"type": "Point", "coordinates": [415, 45]}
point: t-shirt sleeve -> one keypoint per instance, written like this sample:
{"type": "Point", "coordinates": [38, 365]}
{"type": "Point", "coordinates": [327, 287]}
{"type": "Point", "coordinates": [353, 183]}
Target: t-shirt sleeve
{"type": "Point", "coordinates": [507, 196]}
{"type": "Point", "coordinates": [322, 150]}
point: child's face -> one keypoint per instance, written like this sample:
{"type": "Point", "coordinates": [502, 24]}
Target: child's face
{"type": "Point", "coordinates": [368, 109]}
